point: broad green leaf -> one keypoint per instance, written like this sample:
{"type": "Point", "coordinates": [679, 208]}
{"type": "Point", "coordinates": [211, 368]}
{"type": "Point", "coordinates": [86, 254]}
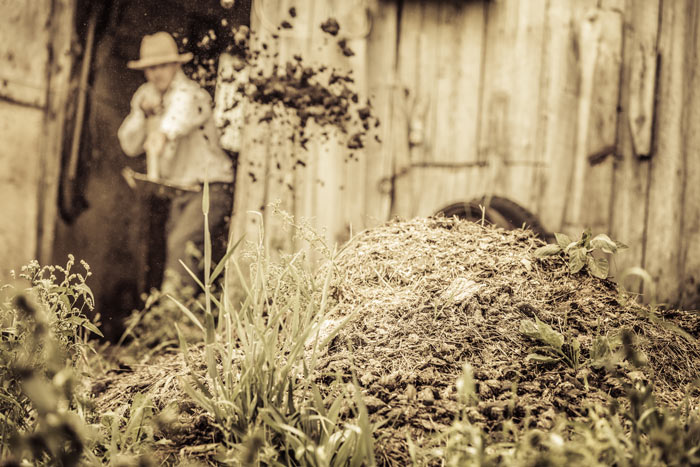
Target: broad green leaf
{"type": "Point", "coordinates": [547, 250]}
{"type": "Point", "coordinates": [598, 267]}
{"type": "Point", "coordinates": [548, 335]}
{"type": "Point", "coordinates": [577, 259]}
{"type": "Point", "coordinates": [563, 240]}
{"type": "Point", "coordinates": [542, 332]}
{"type": "Point", "coordinates": [604, 243]}
{"type": "Point", "coordinates": [528, 328]}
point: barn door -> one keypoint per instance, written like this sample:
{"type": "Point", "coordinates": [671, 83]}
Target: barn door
{"type": "Point", "coordinates": [34, 61]}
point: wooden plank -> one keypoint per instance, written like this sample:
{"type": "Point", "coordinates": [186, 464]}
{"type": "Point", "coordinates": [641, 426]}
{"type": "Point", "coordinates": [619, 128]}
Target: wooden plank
{"type": "Point", "coordinates": [316, 188]}
{"type": "Point", "coordinates": [466, 65]}
{"type": "Point", "coordinates": [349, 165]}
{"type": "Point", "coordinates": [511, 93]}
{"type": "Point", "coordinates": [642, 78]}
{"type": "Point", "coordinates": [19, 183]}
{"type": "Point", "coordinates": [281, 150]}
{"type": "Point", "coordinates": [60, 30]}
{"type": "Point", "coordinates": [251, 176]}
{"type": "Point", "coordinates": [381, 82]}
{"type": "Point", "coordinates": [467, 37]}
{"type": "Point", "coordinates": [597, 189]}
{"type": "Point", "coordinates": [443, 18]}
{"type": "Point", "coordinates": [631, 176]}
{"type": "Point", "coordinates": [444, 83]}
{"type": "Point", "coordinates": [590, 33]}
{"type": "Point", "coordinates": [560, 89]}
{"type": "Point", "coordinates": [24, 40]}
{"type": "Point", "coordinates": [404, 100]}
{"type": "Point", "coordinates": [690, 217]}
{"type": "Point", "coordinates": [665, 209]}
{"type": "Point", "coordinates": [424, 132]}
{"type": "Point", "coordinates": [452, 132]}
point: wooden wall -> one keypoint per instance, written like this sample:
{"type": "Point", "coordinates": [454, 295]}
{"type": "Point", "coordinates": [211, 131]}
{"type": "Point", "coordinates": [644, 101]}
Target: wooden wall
{"type": "Point", "coordinates": [320, 183]}
{"type": "Point", "coordinates": [582, 111]}
{"type": "Point", "coordinates": [35, 39]}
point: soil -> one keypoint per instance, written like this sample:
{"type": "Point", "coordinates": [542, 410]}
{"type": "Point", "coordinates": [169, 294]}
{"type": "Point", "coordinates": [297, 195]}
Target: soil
{"type": "Point", "coordinates": [431, 295]}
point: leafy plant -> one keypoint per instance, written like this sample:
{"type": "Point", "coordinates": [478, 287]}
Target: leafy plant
{"type": "Point", "coordinates": [43, 341]}
{"type": "Point", "coordinates": [554, 348]}
{"type": "Point", "coordinates": [580, 252]}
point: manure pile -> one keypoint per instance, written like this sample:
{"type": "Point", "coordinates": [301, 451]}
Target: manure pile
{"type": "Point", "coordinates": [430, 295]}
{"type": "Point", "coordinates": [433, 294]}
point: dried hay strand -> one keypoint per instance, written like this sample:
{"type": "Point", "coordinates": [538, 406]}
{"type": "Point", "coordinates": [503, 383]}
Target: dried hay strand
{"type": "Point", "coordinates": [432, 294]}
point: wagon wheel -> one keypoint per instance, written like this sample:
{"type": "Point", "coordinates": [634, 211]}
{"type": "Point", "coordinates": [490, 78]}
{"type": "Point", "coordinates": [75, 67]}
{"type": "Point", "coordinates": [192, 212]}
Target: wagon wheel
{"type": "Point", "coordinates": [501, 212]}
{"type": "Point", "coordinates": [472, 211]}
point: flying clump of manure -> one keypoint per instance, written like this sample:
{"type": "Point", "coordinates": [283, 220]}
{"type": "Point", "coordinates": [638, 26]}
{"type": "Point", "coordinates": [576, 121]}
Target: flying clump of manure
{"type": "Point", "coordinates": [297, 92]}
{"type": "Point", "coordinates": [330, 26]}
{"type": "Point", "coordinates": [427, 296]}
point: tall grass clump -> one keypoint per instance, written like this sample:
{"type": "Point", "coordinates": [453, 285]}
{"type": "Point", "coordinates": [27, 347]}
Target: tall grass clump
{"type": "Point", "coordinates": [260, 356]}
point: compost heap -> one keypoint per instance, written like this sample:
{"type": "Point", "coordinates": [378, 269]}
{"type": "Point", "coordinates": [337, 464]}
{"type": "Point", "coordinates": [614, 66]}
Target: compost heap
{"type": "Point", "coordinates": [428, 296]}
{"type": "Point", "coordinates": [433, 294]}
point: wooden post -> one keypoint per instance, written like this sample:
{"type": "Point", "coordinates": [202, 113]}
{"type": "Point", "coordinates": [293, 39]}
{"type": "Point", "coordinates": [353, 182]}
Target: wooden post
{"type": "Point", "coordinates": [61, 29]}
{"type": "Point", "coordinates": [631, 176]}
{"type": "Point", "coordinates": [665, 214]}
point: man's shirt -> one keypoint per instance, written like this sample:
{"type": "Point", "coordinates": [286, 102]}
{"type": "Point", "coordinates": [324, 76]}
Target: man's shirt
{"type": "Point", "coordinates": [192, 152]}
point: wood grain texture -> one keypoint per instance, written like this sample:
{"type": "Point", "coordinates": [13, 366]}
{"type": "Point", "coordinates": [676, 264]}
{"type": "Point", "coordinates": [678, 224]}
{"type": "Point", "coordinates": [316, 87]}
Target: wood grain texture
{"type": "Point", "coordinates": [19, 184]}
{"type": "Point", "coordinates": [511, 94]}
{"type": "Point", "coordinates": [381, 84]}
{"type": "Point", "coordinates": [60, 32]}
{"type": "Point", "coordinates": [561, 83]}
{"type": "Point", "coordinates": [631, 175]}
{"type": "Point", "coordinates": [440, 65]}
{"type": "Point", "coordinates": [601, 142]}
{"type": "Point", "coordinates": [665, 208]}
{"type": "Point", "coordinates": [24, 50]}
{"type": "Point", "coordinates": [690, 215]}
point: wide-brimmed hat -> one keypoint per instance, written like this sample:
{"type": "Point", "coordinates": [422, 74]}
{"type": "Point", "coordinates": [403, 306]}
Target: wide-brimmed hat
{"type": "Point", "coordinates": [158, 49]}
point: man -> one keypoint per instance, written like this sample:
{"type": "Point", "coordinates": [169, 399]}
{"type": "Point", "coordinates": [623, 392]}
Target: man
{"type": "Point", "coordinates": [171, 121]}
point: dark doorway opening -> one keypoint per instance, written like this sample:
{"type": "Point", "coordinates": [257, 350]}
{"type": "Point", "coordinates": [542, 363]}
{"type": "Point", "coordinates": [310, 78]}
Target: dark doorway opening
{"type": "Point", "coordinates": [103, 221]}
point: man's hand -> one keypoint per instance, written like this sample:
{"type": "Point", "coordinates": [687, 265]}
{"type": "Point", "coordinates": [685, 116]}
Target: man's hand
{"type": "Point", "coordinates": [155, 142]}
{"type": "Point", "coordinates": [151, 104]}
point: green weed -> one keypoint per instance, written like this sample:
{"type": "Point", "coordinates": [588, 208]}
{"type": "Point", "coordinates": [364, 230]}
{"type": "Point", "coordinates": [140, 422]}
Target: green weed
{"type": "Point", "coordinates": [579, 253]}
{"type": "Point", "coordinates": [554, 346]}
